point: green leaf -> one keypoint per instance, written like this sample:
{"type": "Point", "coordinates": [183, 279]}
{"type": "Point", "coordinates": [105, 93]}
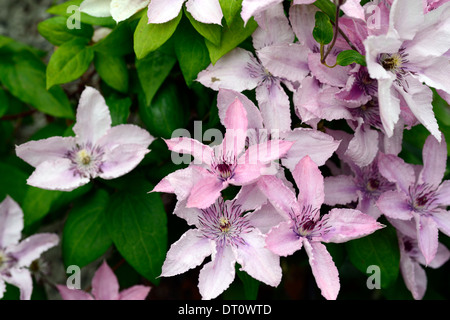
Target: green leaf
{"type": "Point", "coordinates": [232, 36]}
{"type": "Point", "coordinates": [85, 235]}
{"type": "Point", "coordinates": [4, 102]}
{"type": "Point", "coordinates": [69, 9]}
{"type": "Point", "coordinates": [23, 74]}
{"type": "Point", "coordinates": [378, 249]}
{"type": "Point", "coordinates": [150, 36]}
{"type": "Point", "coordinates": [137, 224]}
{"type": "Point", "coordinates": [165, 114]}
{"type": "Point", "coordinates": [152, 71]}
{"type": "Point", "coordinates": [13, 182]}
{"type": "Point", "coordinates": [69, 62]}
{"type": "Point", "coordinates": [328, 7]}
{"type": "Point", "coordinates": [323, 29]}
{"type": "Point", "coordinates": [251, 285]}
{"type": "Point", "coordinates": [191, 52]}
{"type": "Point", "coordinates": [56, 32]}
{"type": "Point", "coordinates": [348, 57]}
{"type": "Point", "coordinates": [119, 108]}
{"type": "Point", "coordinates": [230, 9]}
{"type": "Point", "coordinates": [210, 31]}
{"type": "Point", "coordinates": [113, 70]}
{"type": "Point", "coordinates": [5, 40]}
{"type": "Point", "coordinates": [119, 42]}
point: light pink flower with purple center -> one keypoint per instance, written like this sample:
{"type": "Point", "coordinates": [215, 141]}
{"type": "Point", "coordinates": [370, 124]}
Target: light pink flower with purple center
{"type": "Point", "coordinates": [119, 9]}
{"type": "Point", "coordinates": [305, 227]}
{"type": "Point", "coordinates": [225, 232]}
{"type": "Point", "coordinates": [420, 195]}
{"type": "Point", "coordinates": [97, 150]}
{"type": "Point", "coordinates": [104, 287]}
{"type": "Point", "coordinates": [15, 256]}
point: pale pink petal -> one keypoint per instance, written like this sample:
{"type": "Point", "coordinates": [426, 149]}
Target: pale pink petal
{"type": "Point", "coordinates": [282, 240]}
{"type": "Point", "coordinates": [340, 190]}
{"type": "Point", "coordinates": [137, 292]}
{"type": "Point", "coordinates": [336, 76]}
{"type": "Point", "coordinates": [104, 284]}
{"type": "Point", "coordinates": [273, 28]}
{"type": "Point", "coordinates": [405, 18]}
{"type": "Point", "coordinates": [11, 222]}
{"type": "Point", "coordinates": [245, 174]}
{"type": "Point", "coordinates": [389, 105]}
{"type": "Point", "coordinates": [443, 193]}
{"type": "Point", "coordinates": [73, 294]}
{"type": "Point", "coordinates": [414, 276]}
{"type": "Point", "coordinates": [205, 11]}
{"type": "Point", "coordinates": [122, 10]}
{"type": "Point", "coordinates": [323, 268]}
{"type": "Point", "coordinates": [265, 218]}
{"type": "Point", "coordinates": [218, 274]}
{"type": "Point", "coordinates": [394, 204]}
{"type": "Point", "coordinates": [121, 160]}
{"type": "Point", "coordinates": [161, 11]}
{"type": "Point", "coordinates": [232, 71]}
{"type": "Point", "coordinates": [126, 134]}
{"type": "Point", "coordinates": [274, 105]}
{"type": "Point", "coordinates": [317, 145]}
{"type": "Point", "coordinates": [435, 74]}
{"type": "Point", "coordinates": [310, 183]}
{"type": "Point", "coordinates": [288, 61]}
{"type": "Point", "coordinates": [252, 8]}
{"type": "Point", "coordinates": [205, 192]}
{"type": "Point", "coordinates": [376, 45]}
{"type": "Point", "coordinates": [250, 198]}
{"type": "Point", "coordinates": [258, 261]}
{"type": "Point", "coordinates": [348, 224]}
{"type": "Point", "coordinates": [96, 8]}
{"type": "Point", "coordinates": [363, 148]}
{"type": "Point", "coordinates": [20, 278]}
{"type": "Point", "coordinates": [442, 219]}
{"type": "Point", "coordinates": [427, 231]}
{"type": "Point", "coordinates": [36, 152]}
{"type": "Point", "coordinates": [353, 9]}
{"type": "Point", "coordinates": [202, 153]}
{"type": "Point", "coordinates": [434, 155]}
{"type": "Point", "coordinates": [284, 200]}
{"type": "Point", "coordinates": [302, 19]}
{"type": "Point", "coordinates": [93, 117]}
{"type": "Point", "coordinates": [56, 175]}
{"type": "Point", "coordinates": [396, 170]}
{"type": "Point", "coordinates": [442, 256]}
{"type": "Point", "coordinates": [225, 98]}
{"type": "Point", "coordinates": [236, 128]}
{"type": "Point", "coordinates": [2, 288]}
{"type": "Point", "coordinates": [32, 247]}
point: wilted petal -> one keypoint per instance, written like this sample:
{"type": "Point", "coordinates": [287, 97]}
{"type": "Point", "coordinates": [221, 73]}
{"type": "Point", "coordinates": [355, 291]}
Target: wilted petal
{"type": "Point", "coordinates": [205, 11]}
{"type": "Point", "coordinates": [73, 294]}
{"type": "Point", "coordinates": [310, 183]}
{"type": "Point", "coordinates": [93, 117]}
{"type": "Point", "coordinates": [205, 192]}
{"type": "Point", "coordinates": [394, 204]}
{"type": "Point", "coordinates": [122, 10]}
{"type": "Point", "coordinates": [258, 261]}
{"type": "Point", "coordinates": [317, 145]}
{"type": "Point", "coordinates": [288, 61]}
{"type": "Point", "coordinates": [122, 160]}
{"type": "Point", "coordinates": [340, 190]}
{"type": "Point", "coordinates": [323, 268]}
{"type": "Point", "coordinates": [137, 292]}
{"type": "Point", "coordinates": [217, 275]}
{"type": "Point", "coordinates": [20, 278]}
{"type": "Point", "coordinates": [396, 170]}
{"type": "Point", "coordinates": [11, 222]}
{"type": "Point", "coordinates": [56, 175]}
{"type": "Point", "coordinates": [32, 247]}
{"type": "Point", "coordinates": [235, 71]}
{"type": "Point", "coordinates": [104, 284]}
{"type": "Point", "coordinates": [160, 11]}
{"type": "Point", "coordinates": [186, 253]}
{"type": "Point", "coordinates": [348, 224]}
{"type": "Point", "coordinates": [96, 8]}
{"type": "Point", "coordinates": [36, 152]}
{"type": "Point", "coordinates": [282, 240]}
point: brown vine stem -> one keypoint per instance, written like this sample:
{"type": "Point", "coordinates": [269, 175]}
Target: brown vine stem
{"type": "Point", "coordinates": [18, 115]}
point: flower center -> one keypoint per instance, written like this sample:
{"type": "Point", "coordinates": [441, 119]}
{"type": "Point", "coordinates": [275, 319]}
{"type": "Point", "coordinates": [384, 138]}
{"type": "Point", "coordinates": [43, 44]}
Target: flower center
{"type": "Point", "coordinates": [224, 225]}
{"type": "Point", "coordinates": [83, 157]}
{"type": "Point", "coordinates": [392, 62]}
{"type": "Point", "coordinates": [306, 227]}
{"type": "Point", "coordinates": [423, 198]}
{"type": "Point", "coordinates": [223, 167]}
{"type": "Point", "coordinates": [224, 170]}
{"type": "Point", "coordinates": [373, 184]}
{"type": "Point", "coordinates": [86, 160]}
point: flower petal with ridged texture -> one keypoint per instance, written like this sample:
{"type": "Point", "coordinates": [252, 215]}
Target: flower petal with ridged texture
{"type": "Point", "coordinates": [161, 11]}
{"type": "Point", "coordinates": [104, 284]}
{"type": "Point", "coordinates": [11, 222]}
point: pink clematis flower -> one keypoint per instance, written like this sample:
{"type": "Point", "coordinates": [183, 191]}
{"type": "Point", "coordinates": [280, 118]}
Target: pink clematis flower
{"type": "Point", "coordinates": [119, 9]}
{"type": "Point", "coordinates": [225, 164]}
{"type": "Point", "coordinates": [226, 234]}
{"type": "Point", "coordinates": [412, 260]}
{"type": "Point", "coordinates": [304, 227]}
{"type": "Point", "coordinates": [420, 195]}
{"type": "Point", "coordinates": [406, 57]}
{"type": "Point", "coordinates": [104, 287]}
{"type": "Point", "coordinates": [15, 256]}
{"type": "Point", "coordinates": [205, 11]}
{"type": "Point", "coordinates": [97, 150]}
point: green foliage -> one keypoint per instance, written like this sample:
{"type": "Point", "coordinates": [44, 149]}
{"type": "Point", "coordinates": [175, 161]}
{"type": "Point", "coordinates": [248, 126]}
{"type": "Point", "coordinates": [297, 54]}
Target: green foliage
{"type": "Point", "coordinates": [348, 57]}
{"type": "Point", "coordinates": [323, 29]}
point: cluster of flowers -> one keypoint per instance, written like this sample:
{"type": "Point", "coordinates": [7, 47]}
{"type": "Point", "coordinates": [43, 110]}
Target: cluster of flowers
{"type": "Point", "coordinates": [406, 53]}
